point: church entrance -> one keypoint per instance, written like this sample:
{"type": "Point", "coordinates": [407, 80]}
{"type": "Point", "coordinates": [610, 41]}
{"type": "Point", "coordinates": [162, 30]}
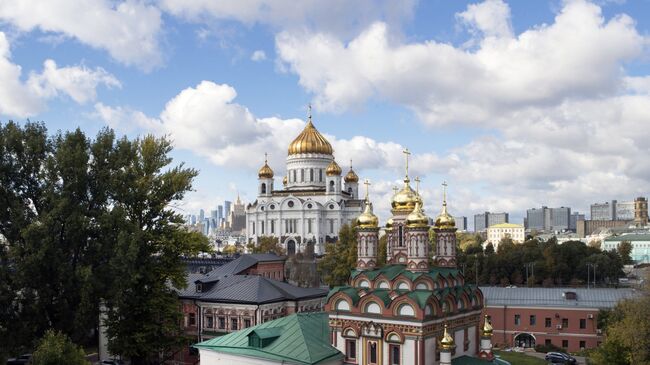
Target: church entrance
{"type": "Point", "coordinates": [525, 340]}
{"type": "Point", "coordinates": [291, 247]}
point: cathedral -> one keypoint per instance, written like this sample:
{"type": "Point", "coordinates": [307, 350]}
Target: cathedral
{"type": "Point", "coordinates": [416, 309]}
{"type": "Point", "coordinates": [315, 199]}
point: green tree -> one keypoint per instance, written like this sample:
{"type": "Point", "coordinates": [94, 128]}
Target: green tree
{"type": "Point", "coordinates": [266, 244]}
{"type": "Point", "coordinates": [142, 308]}
{"type": "Point", "coordinates": [340, 257]}
{"type": "Point", "coordinates": [489, 249]}
{"type": "Point", "coordinates": [57, 349]}
{"type": "Point", "coordinates": [382, 251]}
{"type": "Point", "coordinates": [624, 250]}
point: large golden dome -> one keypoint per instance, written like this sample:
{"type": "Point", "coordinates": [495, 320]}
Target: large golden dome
{"type": "Point", "coordinates": [333, 169]}
{"type": "Point", "coordinates": [310, 141]}
{"type": "Point", "coordinates": [417, 218]}
{"type": "Point", "coordinates": [405, 199]}
{"type": "Point", "coordinates": [367, 219]}
{"type": "Point", "coordinates": [265, 172]}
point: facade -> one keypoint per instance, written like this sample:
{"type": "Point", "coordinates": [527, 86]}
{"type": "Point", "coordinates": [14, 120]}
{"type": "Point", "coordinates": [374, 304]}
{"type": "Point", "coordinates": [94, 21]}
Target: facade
{"type": "Point", "coordinates": [564, 317]}
{"type": "Point", "coordinates": [314, 202]}
{"type": "Point", "coordinates": [407, 312]}
{"type": "Point", "coordinates": [237, 217]}
{"type": "Point", "coordinates": [461, 224]}
{"type": "Point", "coordinates": [483, 220]}
{"type": "Point", "coordinates": [640, 246]}
{"type": "Point", "coordinates": [497, 232]}
{"type": "Point", "coordinates": [603, 211]}
{"type": "Point", "coordinates": [573, 222]}
{"type": "Point", "coordinates": [550, 219]}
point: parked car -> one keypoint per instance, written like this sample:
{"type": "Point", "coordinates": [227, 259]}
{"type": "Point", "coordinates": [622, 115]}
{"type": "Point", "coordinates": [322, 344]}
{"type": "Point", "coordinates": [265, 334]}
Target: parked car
{"type": "Point", "coordinates": [560, 358]}
{"type": "Point", "coordinates": [20, 360]}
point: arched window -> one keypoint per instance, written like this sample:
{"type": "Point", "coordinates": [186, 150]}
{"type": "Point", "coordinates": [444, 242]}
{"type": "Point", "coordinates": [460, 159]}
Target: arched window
{"type": "Point", "coordinates": [445, 307]}
{"type": "Point", "coordinates": [331, 186]}
{"type": "Point", "coordinates": [383, 285]}
{"type": "Point", "coordinates": [460, 304]}
{"type": "Point", "coordinates": [422, 286]}
{"type": "Point", "coordinates": [402, 285]}
{"type": "Point", "coordinates": [373, 308]}
{"type": "Point", "coordinates": [364, 284]}
{"type": "Point", "coordinates": [428, 310]}
{"type": "Point", "coordinates": [263, 188]}
{"type": "Point", "coordinates": [342, 305]}
{"type": "Point", "coordinates": [406, 310]}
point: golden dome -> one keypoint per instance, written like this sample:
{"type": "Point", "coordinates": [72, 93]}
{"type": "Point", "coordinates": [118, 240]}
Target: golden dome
{"type": "Point", "coordinates": [405, 199]}
{"type": "Point", "coordinates": [367, 219]}
{"type": "Point", "coordinates": [333, 169]}
{"type": "Point", "coordinates": [447, 342]}
{"type": "Point", "coordinates": [487, 327]}
{"type": "Point", "coordinates": [265, 172]}
{"type": "Point", "coordinates": [351, 176]}
{"type": "Point", "coordinates": [445, 220]}
{"type": "Point", "coordinates": [284, 180]}
{"type": "Point", "coordinates": [389, 224]}
{"type": "Point", "coordinates": [310, 141]}
{"type": "Point", "coordinates": [417, 218]}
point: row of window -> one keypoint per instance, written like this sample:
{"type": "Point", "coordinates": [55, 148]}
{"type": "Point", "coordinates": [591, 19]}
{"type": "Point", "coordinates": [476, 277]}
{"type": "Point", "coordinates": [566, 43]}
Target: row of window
{"type": "Point", "coordinates": [291, 225]}
{"type": "Point", "coordinates": [305, 175]}
{"type": "Point", "coordinates": [565, 343]}
{"type": "Point", "coordinates": [394, 353]}
{"type": "Point", "coordinates": [532, 320]}
{"type": "Point", "coordinates": [402, 285]}
{"type": "Point", "coordinates": [221, 323]}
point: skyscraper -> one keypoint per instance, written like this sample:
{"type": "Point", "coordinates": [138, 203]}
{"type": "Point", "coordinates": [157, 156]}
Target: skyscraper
{"type": "Point", "coordinates": [227, 204]}
{"type": "Point", "coordinates": [483, 220]}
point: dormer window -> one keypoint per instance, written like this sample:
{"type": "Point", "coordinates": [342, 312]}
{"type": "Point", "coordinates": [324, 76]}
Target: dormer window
{"type": "Point", "coordinates": [199, 287]}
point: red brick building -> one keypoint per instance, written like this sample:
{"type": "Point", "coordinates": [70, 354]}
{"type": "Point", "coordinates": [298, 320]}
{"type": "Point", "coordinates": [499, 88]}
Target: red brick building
{"type": "Point", "coordinates": [564, 317]}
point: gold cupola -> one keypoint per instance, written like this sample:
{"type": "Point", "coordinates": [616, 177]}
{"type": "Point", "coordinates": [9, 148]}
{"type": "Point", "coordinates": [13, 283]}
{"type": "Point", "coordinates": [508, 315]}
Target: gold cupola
{"type": "Point", "coordinates": [285, 180]}
{"type": "Point", "coordinates": [333, 169]}
{"type": "Point", "coordinates": [405, 199]}
{"type": "Point", "coordinates": [389, 224]}
{"type": "Point", "coordinates": [351, 176]}
{"type": "Point", "coordinates": [487, 327]}
{"type": "Point", "coordinates": [417, 218]}
{"type": "Point", "coordinates": [445, 220]}
{"type": "Point", "coordinates": [265, 172]}
{"type": "Point", "coordinates": [310, 141]}
{"type": "Point", "coordinates": [367, 219]}
{"type": "Point", "coordinates": [447, 342]}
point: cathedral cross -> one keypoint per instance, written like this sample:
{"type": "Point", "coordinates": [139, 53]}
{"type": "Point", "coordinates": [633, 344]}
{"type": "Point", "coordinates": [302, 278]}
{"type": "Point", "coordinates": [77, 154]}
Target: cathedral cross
{"type": "Point", "coordinates": [417, 185]}
{"type": "Point", "coordinates": [406, 153]}
{"type": "Point", "coordinates": [266, 157]}
{"type": "Point", "coordinates": [367, 184]}
{"type": "Point", "coordinates": [444, 192]}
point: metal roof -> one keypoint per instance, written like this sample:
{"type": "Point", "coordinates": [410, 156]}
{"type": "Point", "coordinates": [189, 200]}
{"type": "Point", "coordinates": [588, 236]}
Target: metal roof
{"type": "Point", "coordinates": [240, 264]}
{"type": "Point", "coordinates": [629, 237]}
{"type": "Point", "coordinates": [555, 297]}
{"type": "Point", "coordinates": [304, 339]}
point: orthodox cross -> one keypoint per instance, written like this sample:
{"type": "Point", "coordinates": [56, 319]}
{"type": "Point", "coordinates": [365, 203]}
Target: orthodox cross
{"type": "Point", "coordinates": [444, 192]}
{"type": "Point", "coordinates": [350, 164]}
{"type": "Point", "coordinates": [395, 188]}
{"type": "Point", "coordinates": [266, 157]}
{"type": "Point", "coordinates": [417, 185]}
{"type": "Point", "coordinates": [406, 153]}
{"type": "Point", "coordinates": [366, 183]}
{"type": "Point", "coordinates": [309, 112]}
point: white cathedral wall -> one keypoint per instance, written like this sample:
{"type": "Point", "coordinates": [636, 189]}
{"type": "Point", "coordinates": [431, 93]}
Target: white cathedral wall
{"type": "Point", "coordinates": [430, 351]}
{"type": "Point", "coordinates": [408, 352]}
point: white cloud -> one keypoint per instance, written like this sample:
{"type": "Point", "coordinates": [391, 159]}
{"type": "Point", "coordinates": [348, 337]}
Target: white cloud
{"type": "Point", "coordinates": [258, 55]}
{"type": "Point", "coordinates": [579, 55]}
{"type": "Point", "coordinates": [23, 99]}
{"type": "Point", "coordinates": [128, 30]}
{"type": "Point", "coordinates": [340, 17]}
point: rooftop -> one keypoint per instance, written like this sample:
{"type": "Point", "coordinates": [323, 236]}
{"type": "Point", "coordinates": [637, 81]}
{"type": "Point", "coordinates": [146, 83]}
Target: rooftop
{"type": "Point", "coordinates": [629, 237]}
{"type": "Point", "coordinates": [555, 297]}
{"type": "Point", "coordinates": [506, 225]}
{"type": "Point", "coordinates": [240, 264]}
{"type": "Point", "coordinates": [301, 338]}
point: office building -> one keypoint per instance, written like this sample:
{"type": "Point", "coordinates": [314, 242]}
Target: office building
{"type": "Point", "coordinates": [483, 220]}
{"type": "Point", "coordinates": [548, 219]}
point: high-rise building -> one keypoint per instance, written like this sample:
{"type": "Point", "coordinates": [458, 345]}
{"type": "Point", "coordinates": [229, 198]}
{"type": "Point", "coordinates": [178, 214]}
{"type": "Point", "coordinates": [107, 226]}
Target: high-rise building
{"type": "Point", "coordinates": [624, 211]}
{"type": "Point", "coordinates": [201, 215]}
{"type": "Point", "coordinates": [483, 220]}
{"type": "Point", "coordinates": [548, 219]}
{"type": "Point", "coordinates": [461, 223]}
{"type": "Point", "coordinates": [603, 211]}
{"type": "Point", "coordinates": [575, 217]}
{"type": "Point", "coordinates": [560, 218]}
{"type": "Point", "coordinates": [238, 216]}
{"type": "Point", "coordinates": [219, 213]}
{"type": "Point", "coordinates": [535, 218]}
{"type": "Point", "coordinates": [227, 204]}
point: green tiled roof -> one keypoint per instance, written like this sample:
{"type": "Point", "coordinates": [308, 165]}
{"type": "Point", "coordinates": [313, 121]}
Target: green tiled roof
{"type": "Point", "coordinates": [629, 237]}
{"type": "Point", "coordinates": [303, 339]}
{"type": "Point", "coordinates": [393, 271]}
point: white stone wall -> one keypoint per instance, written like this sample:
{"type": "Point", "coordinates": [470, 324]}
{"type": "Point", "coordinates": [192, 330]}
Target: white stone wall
{"type": "Point", "coordinates": [430, 350]}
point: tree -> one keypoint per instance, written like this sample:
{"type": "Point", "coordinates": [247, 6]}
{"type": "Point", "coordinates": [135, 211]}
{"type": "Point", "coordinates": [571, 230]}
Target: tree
{"type": "Point", "coordinates": [625, 251]}
{"type": "Point", "coordinates": [340, 257]}
{"type": "Point", "coordinates": [57, 349]}
{"type": "Point", "coordinates": [489, 249]}
{"type": "Point", "coordinates": [382, 251]}
{"type": "Point", "coordinates": [267, 244]}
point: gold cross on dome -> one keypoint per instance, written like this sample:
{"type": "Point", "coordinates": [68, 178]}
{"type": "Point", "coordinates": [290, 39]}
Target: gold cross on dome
{"type": "Point", "coordinates": [417, 185]}
{"type": "Point", "coordinates": [309, 112]}
{"type": "Point", "coordinates": [367, 184]}
{"type": "Point", "coordinates": [406, 153]}
{"type": "Point", "coordinates": [395, 188]}
{"type": "Point", "coordinates": [444, 191]}
{"type": "Point", "coordinates": [266, 157]}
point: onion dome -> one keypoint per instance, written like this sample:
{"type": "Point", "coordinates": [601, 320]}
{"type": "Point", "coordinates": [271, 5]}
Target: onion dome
{"type": "Point", "coordinates": [487, 327]}
{"type": "Point", "coordinates": [333, 169]}
{"type": "Point", "coordinates": [405, 199]}
{"type": "Point", "coordinates": [389, 224]}
{"type": "Point", "coordinates": [310, 141]}
{"type": "Point", "coordinates": [351, 176]}
{"type": "Point", "coordinates": [447, 342]}
{"type": "Point", "coordinates": [445, 220]}
{"type": "Point", "coordinates": [265, 172]}
{"type": "Point", "coordinates": [417, 218]}
{"type": "Point", "coordinates": [284, 181]}
{"type": "Point", "coordinates": [367, 219]}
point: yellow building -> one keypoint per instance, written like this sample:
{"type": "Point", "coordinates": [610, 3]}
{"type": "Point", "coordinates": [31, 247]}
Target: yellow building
{"type": "Point", "coordinates": [497, 232]}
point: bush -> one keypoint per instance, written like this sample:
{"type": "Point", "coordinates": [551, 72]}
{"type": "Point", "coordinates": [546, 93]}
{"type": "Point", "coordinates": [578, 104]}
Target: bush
{"type": "Point", "coordinates": [549, 348]}
{"type": "Point", "coordinates": [55, 348]}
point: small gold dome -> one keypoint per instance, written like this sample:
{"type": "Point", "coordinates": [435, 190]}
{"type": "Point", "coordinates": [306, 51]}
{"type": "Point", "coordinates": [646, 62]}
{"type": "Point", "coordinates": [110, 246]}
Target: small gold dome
{"type": "Point", "coordinates": [445, 220]}
{"type": "Point", "coordinates": [333, 169]}
{"type": "Point", "coordinates": [417, 218]}
{"type": "Point", "coordinates": [447, 342]}
{"type": "Point", "coordinates": [487, 327]}
{"type": "Point", "coordinates": [405, 199]}
{"type": "Point", "coordinates": [389, 224]}
{"type": "Point", "coordinates": [310, 141]}
{"type": "Point", "coordinates": [367, 219]}
{"type": "Point", "coordinates": [265, 172]}
{"type": "Point", "coordinates": [284, 181]}
{"type": "Point", "coordinates": [351, 176]}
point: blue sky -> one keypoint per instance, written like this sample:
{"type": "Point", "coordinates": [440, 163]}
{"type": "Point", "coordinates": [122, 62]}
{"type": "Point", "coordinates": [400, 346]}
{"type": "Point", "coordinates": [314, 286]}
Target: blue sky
{"type": "Point", "coordinates": [516, 104]}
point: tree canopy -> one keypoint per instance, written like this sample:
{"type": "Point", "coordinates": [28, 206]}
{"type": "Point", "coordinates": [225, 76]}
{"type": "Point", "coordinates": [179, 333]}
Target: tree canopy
{"type": "Point", "coordinates": [340, 257]}
{"type": "Point", "coordinates": [56, 349]}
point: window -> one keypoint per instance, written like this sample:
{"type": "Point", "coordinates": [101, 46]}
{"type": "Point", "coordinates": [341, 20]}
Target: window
{"type": "Point", "coordinates": [342, 305]}
{"type": "Point", "coordinates": [565, 343]}
{"type": "Point", "coordinates": [565, 323]}
{"type": "Point", "coordinates": [583, 344]}
{"type": "Point", "coordinates": [583, 323]}
{"type": "Point", "coordinates": [372, 353]}
{"type": "Point", "coordinates": [192, 319]}
{"type": "Point", "coordinates": [400, 242]}
{"type": "Point", "coordinates": [331, 225]}
{"type": "Point", "coordinates": [273, 226]}
{"type": "Point", "coordinates": [233, 324]}
{"type": "Point", "coordinates": [209, 322]}
{"type": "Point", "coordinates": [406, 310]}
{"type": "Point", "coordinates": [222, 323]}
{"type": "Point", "coordinates": [547, 322]}
{"type": "Point", "coordinates": [373, 308]}
{"type": "Point", "coordinates": [247, 323]}
{"type": "Point", "coordinates": [308, 225]}
{"type": "Point", "coordinates": [320, 175]}
{"type": "Point", "coordinates": [394, 353]}
{"type": "Point", "coordinates": [548, 342]}
{"type": "Point", "coordinates": [311, 175]}
{"type": "Point", "coordinates": [302, 175]}
{"type": "Point", "coordinates": [263, 188]}
{"type": "Point", "coordinates": [350, 349]}
{"type": "Point", "coordinates": [262, 226]}
{"type": "Point", "coordinates": [517, 319]}
{"type": "Point", "coordinates": [294, 176]}
{"type": "Point", "coordinates": [533, 320]}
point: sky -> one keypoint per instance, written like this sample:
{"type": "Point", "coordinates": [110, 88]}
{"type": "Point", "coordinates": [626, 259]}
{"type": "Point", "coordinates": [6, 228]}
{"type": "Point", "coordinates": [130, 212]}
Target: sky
{"type": "Point", "coordinates": [515, 104]}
